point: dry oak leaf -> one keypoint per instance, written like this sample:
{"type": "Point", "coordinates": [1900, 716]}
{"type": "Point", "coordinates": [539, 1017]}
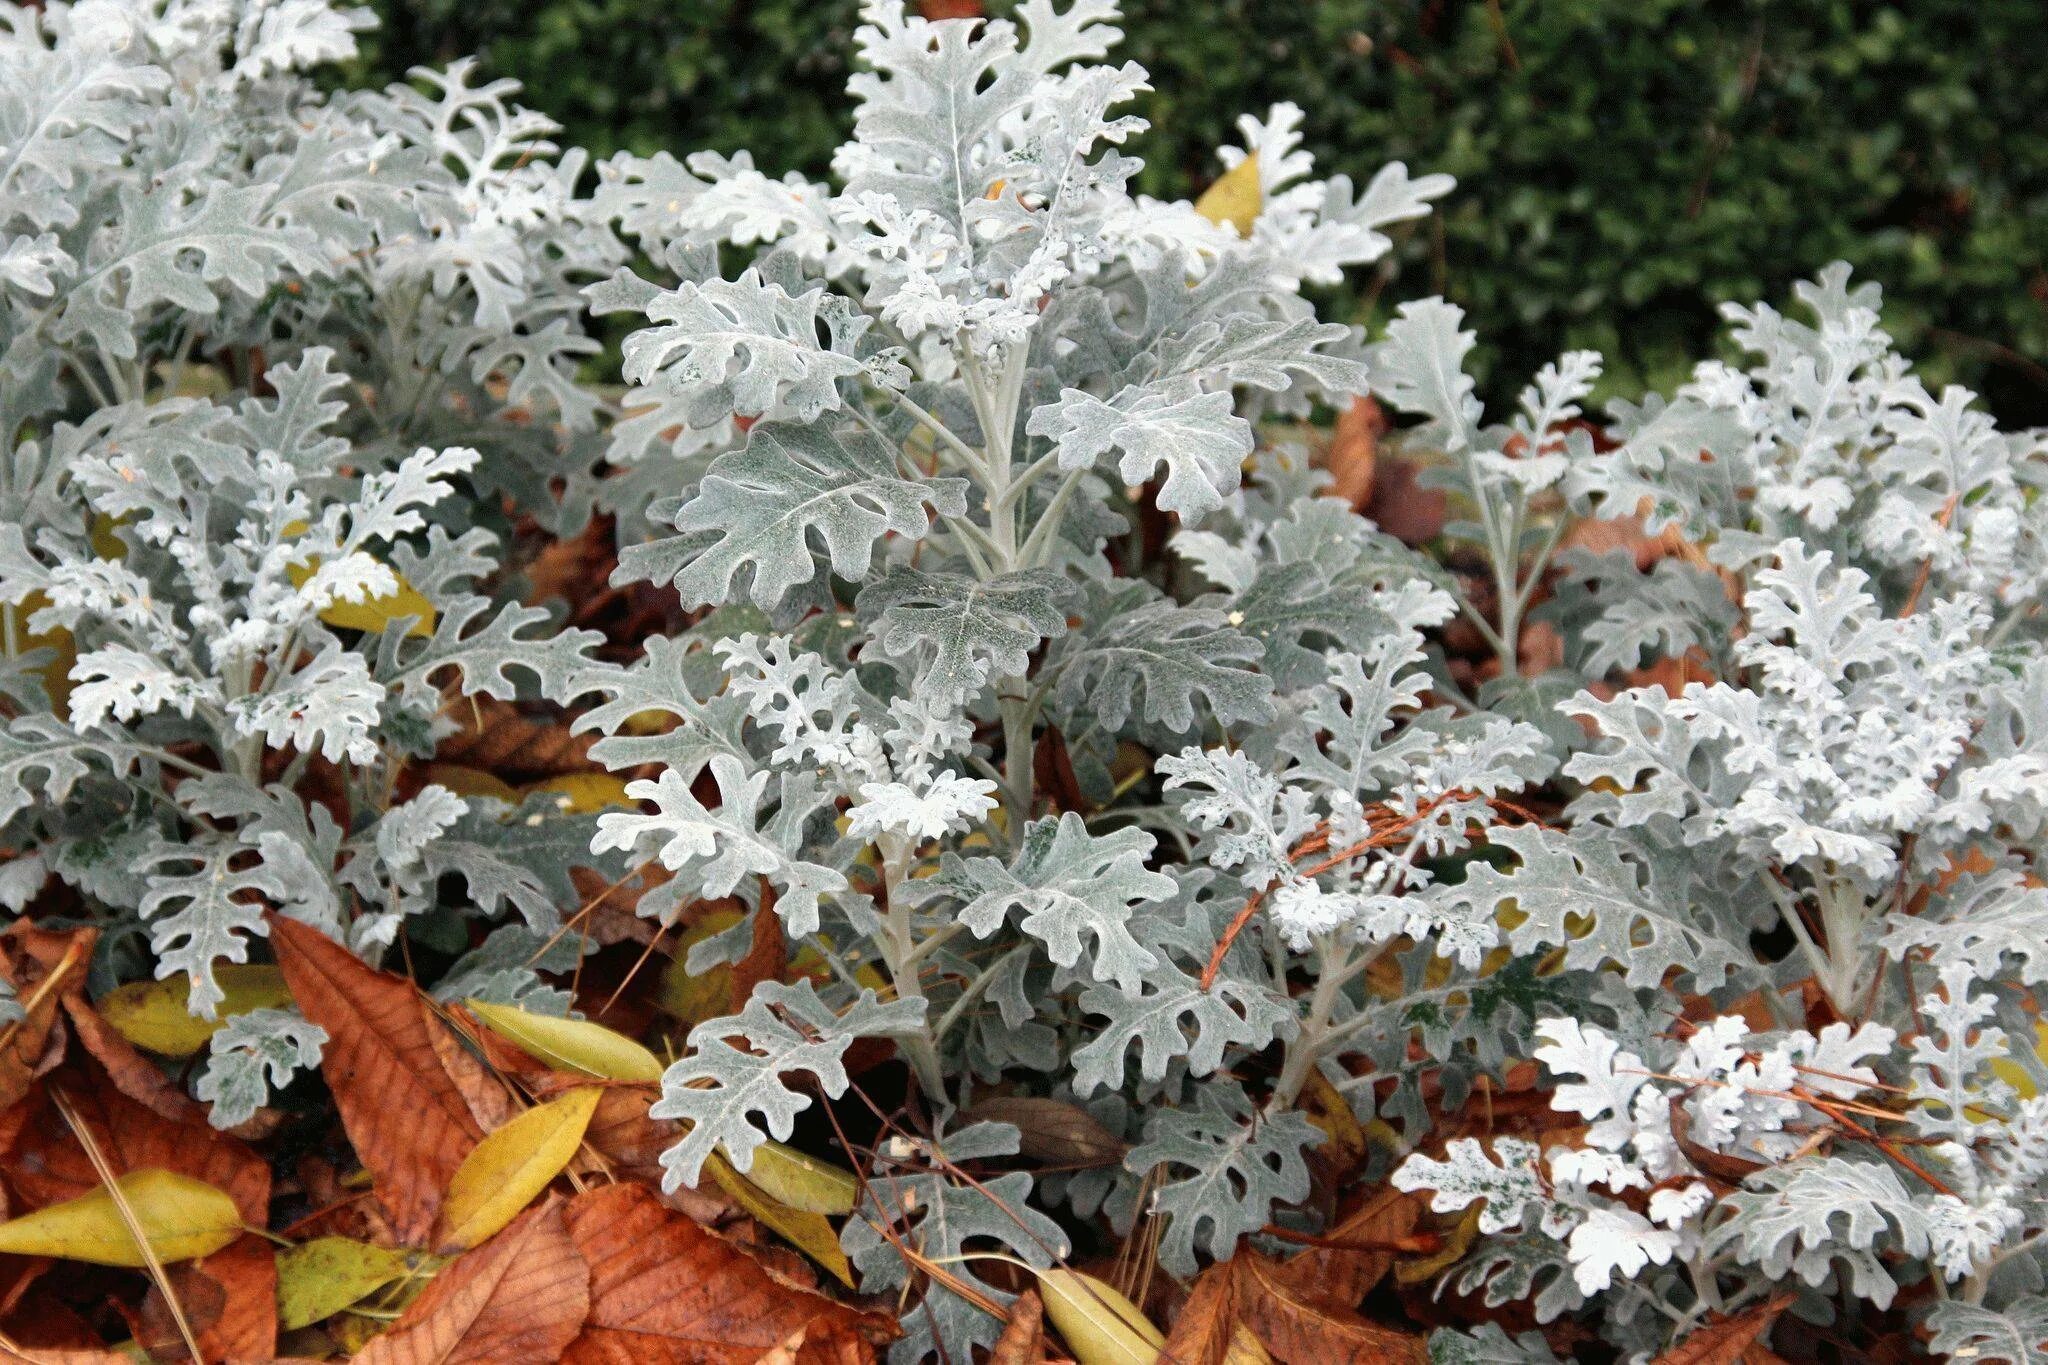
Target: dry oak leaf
{"type": "Point", "coordinates": [664, 1291]}
{"type": "Point", "coordinates": [1730, 1341]}
{"type": "Point", "coordinates": [406, 1116]}
{"type": "Point", "coordinates": [518, 1299]}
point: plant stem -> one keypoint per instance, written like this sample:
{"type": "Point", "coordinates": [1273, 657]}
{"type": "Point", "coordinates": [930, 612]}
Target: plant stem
{"type": "Point", "coordinates": [898, 955]}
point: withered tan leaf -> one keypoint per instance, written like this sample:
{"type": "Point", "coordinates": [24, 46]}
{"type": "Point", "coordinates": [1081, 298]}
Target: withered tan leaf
{"type": "Point", "coordinates": [518, 1299]}
{"type": "Point", "coordinates": [405, 1115]}
{"type": "Point", "coordinates": [664, 1291]}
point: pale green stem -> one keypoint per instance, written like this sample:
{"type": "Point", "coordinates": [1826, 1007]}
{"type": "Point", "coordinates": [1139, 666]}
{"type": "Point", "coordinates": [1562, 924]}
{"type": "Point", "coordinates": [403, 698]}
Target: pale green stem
{"type": "Point", "coordinates": [898, 953]}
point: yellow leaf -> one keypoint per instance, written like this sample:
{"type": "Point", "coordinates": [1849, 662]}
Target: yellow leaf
{"type": "Point", "coordinates": [156, 1017]}
{"type": "Point", "coordinates": [1236, 199]}
{"type": "Point", "coordinates": [705, 995]}
{"type": "Point", "coordinates": [571, 1044]}
{"type": "Point", "coordinates": [372, 616]}
{"type": "Point", "coordinates": [470, 782]}
{"type": "Point", "coordinates": [183, 1219]}
{"type": "Point", "coordinates": [2013, 1074]}
{"type": "Point", "coordinates": [808, 1232]}
{"type": "Point", "coordinates": [322, 1277]}
{"type": "Point", "coordinates": [511, 1166]}
{"type": "Point", "coordinates": [585, 793]}
{"type": "Point", "coordinates": [803, 1182]}
{"type": "Point", "coordinates": [1101, 1326]}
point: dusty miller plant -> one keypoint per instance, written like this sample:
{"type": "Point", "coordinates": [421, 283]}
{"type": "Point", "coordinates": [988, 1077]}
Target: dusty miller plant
{"type": "Point", "coordinates": [1033, 684]}
{"type": "Point", "coordinates": [271, 365]}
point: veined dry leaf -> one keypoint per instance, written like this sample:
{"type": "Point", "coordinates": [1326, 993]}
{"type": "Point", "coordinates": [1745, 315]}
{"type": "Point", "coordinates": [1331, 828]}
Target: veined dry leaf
{"type": "Point", "coordinates": [518, 1299]}
{"type": "Point", "coordinates": [405, 1116]}
{"type": "Point", "coordinates": [229, 1298]}
{"type": "Point", "coordinates": [1236, 197]}
{"type": "Point", "coordinates": [317, 1279]}
{"type": "Point", "coordinates": [182, 1218]}
{"type": "Point", "coordinates": [1098, 1323]}
{"type": "Point", "coordinates": [663, 1291]}
{"type": "Point", "coordinates": [154, 1015]}
{"type": "Point", "coordinates": [1342, 1275]}
{"type": "Point", "coordinates": [511, 1167]}
{"type": "Point", "coordinates": [1053, 1131]}
{"type": "Point", "coordinates": [1295, 1327]}
{"type": "Point", "coordinates": [570, 1044]}
{"type": "Point", "coordinates": [498, 738]}
{"type": "Point", "coordinates": [1207, 1330]}
{"type": "Point", "coordinates": [1730, 1341]}
{"type": "Point", "coordinates": [1023, 1338]}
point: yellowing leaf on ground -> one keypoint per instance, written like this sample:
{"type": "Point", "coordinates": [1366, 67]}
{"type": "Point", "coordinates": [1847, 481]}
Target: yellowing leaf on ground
{"type": "Point", "coordinates": [1236, 199]}
{"type": "Point", "coordinates": [328, 1274]}
{"type": "Point", "coordinates": [694, 997]}
{"type": "Point", "coordinates": [1101, 1326]}
{"type": "Point", "coordinates": [156, 1015]}
{"type": "Point", "coordinates": [802, 1181]}
{"type": "Point", "coordinates": [808, 1232]}
{"type": "Point", "coordinates": [469, 781]}
{"type": "Point", "coordinates": [2015, 1075]}
{"type": "Point", "coordinates": [570, 1044]}
{"type": "Point", "coordinates": [56, 674]}
{"type": "Point", "coordinates": [371, 616]}
{"type": "Point", "coordinates": [585, 793]}
{"type": "Point", "coordinates": [511, 1167]}
{"type": "Point", "coordinates": [183, 1219]}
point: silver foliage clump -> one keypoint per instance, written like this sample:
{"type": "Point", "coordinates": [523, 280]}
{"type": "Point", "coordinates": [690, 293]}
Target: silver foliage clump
{"type": "Point", "coordinates": [272, 364]}
{"type": "Point", "coordinates": [1033, 685]}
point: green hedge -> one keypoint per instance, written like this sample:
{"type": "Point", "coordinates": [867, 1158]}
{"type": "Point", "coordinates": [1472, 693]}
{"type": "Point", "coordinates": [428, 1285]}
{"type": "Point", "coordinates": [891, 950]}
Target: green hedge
{"type": "Point", "coordinates": [1623, 164]}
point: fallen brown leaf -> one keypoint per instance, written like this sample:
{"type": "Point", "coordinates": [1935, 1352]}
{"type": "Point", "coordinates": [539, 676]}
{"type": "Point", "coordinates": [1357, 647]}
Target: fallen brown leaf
{"type": "Point", "coordinates": [1402, 507]}
{"type": "Point", "coordinates": [1054, 1131]}
{"type": "Point", "coordinates": [663, 1290]}
{"type": "Point", "coordinates": [1023, 1339]}
{"type": "Point", "coordinates": [1354, 451]}
{"type": "Point", "coordinates": [1365, 1244]}
{"type": "Point", "coordinates": [44, 969]}
{"type": "Point", "coordinates": [1730, 1341]}
{"type": "Point", "coordinates": [1295, 1327]}
{"type": "Point", "coordinates": [497, 737]}
{"type": "Point", "coordinates": [46, 1164]}
{"type": "Point", "coordinates": [230, 1299]}
{"type": "Point", "coordinates": [1203, 1328]}
{"type": "Point", "coordinates": [518, 1299]}
{"type": "Point", "coordinates": [406, 1117]}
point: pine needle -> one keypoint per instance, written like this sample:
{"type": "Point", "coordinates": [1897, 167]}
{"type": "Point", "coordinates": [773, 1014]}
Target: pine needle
{"type": "Point", "coordinates": [121, 1205]}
